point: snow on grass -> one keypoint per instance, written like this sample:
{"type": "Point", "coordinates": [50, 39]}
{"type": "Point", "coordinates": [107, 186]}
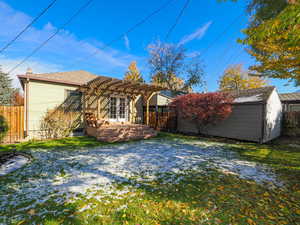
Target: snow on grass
{"type": "Point", "coordinates": [60, 176]}
{"type": "Point", "coordinates": [13, 164]}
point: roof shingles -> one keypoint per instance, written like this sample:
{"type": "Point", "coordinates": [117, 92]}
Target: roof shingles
{"type": "Point", "coordinates": [290, 97]}
{"type": "Point", "coordinates": [79, 77]}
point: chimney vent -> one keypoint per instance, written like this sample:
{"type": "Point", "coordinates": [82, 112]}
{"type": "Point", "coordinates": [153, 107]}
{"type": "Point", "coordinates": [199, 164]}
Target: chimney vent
{"type": "Point", "coordinates": [29, 71]}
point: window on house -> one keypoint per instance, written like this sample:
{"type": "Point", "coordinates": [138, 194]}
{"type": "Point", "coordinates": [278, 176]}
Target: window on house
{"type": "Point", "coordinates": [113, 108]}
{"type": "Point", "coordinates": [122, 108]}
{"type": "Point", "coordinates": [73, 101]}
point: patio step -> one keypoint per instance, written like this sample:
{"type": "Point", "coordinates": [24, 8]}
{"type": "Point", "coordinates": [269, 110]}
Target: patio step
{"type": "Point", "coordinates": [122, 133]}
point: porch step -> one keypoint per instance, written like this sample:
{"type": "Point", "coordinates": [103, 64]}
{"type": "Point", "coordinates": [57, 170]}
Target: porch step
{"type": "Point", "coordinates": [122, 133]}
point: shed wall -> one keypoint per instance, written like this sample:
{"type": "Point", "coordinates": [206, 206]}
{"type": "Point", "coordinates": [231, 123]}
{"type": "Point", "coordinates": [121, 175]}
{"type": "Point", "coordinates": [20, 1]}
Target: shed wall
{"type": "Point", "coordinates": [273, 117]}
{"type": "Point", "coordinates": [244, 123]}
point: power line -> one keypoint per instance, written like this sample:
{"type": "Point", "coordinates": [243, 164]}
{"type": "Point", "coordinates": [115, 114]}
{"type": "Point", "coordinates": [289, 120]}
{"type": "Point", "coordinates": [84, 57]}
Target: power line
{"type": "Point", "coordinates": [177, 19]}
{"type": "Point", "coordinates": [121, 36]}
{"type": "Point", "coordinates": [28, 26]}
{"type": "Point", "coordinates": [53, 35]}
{"type": "Point", "coordinates": [221, 34]}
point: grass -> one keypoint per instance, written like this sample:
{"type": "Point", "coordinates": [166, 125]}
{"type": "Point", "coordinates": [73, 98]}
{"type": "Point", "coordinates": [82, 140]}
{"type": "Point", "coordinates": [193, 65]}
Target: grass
{"type": "Point", "coordinates": [198, 198]}
{"type": "Point", "coordinates": [65, 143]}
{"type": "Point", "coordinates": [210, 198]}
{"type": "Point", "coordinates": [280, 155]}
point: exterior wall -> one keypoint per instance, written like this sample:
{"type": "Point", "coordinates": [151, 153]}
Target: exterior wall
{"type": "Point", "coordinates": [244, 123]}
{"type": "Point", "coordinates": [159, 100]}
{"type": "Point", "coordinates": [273, 117]}
{"type": "Point", "coordinates": [43, 96]}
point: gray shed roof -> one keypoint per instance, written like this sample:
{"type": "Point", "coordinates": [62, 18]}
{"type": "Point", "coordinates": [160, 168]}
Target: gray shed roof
{"type": "Point", "coordinates": [286, 97]}
{"type": "Point", "coordinates": [171, 94]}
{"type": "Point", "coordinates": [258, 95]}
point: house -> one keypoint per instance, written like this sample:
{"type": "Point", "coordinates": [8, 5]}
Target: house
{"type": "Point", "coordinates": [94, 97]}
{"type": "Point", "coordinates": [256, 116]}
{"type": "Point", "coordinates": [290, 102]}
{"type": "Point", "coordinates": [161, 100]}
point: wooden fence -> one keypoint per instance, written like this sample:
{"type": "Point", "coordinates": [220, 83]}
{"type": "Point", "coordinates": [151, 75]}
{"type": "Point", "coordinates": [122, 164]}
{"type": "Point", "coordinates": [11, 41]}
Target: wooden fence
{"type": "Point", "coordinates": [165, 121]}
{"type": "Point", "coordinates": [291, 123]}
{"type": "Point", "coordinates": [14, 116]}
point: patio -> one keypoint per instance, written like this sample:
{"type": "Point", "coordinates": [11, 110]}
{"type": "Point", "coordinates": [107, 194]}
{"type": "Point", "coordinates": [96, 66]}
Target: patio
{"type": "Point", "coordinates": [113, 109]}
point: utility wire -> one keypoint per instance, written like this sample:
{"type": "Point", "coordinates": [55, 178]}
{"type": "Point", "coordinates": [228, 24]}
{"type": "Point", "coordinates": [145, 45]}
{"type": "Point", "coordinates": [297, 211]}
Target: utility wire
{"type": "Point", "coordinates": [177, 19]}
{"type": "Point", "coordinates": [28, 26]}
{"type": "Point", "coordinates": [121, 36]}
{"type": "Point", "coordinates": [53, 35]}
{"type": "Point", "coordinates": [221, 34]}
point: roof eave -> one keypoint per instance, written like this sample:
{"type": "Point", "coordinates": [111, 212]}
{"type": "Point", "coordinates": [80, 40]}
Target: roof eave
{"type": "Point", "coordinates": [48, 80]}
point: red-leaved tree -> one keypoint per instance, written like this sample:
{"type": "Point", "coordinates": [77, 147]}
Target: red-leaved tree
{"type": "Point", "coordinates": [203, 109]}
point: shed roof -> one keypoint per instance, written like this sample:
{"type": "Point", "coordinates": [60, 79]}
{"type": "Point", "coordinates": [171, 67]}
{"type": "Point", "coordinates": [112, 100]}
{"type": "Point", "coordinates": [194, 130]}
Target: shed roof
{"type": "Point", "coordinates": [286, 97]}
{"type": "Point", "coordinates": [171, 94]}
{"type": "Point", "coordinates": [255, 95]}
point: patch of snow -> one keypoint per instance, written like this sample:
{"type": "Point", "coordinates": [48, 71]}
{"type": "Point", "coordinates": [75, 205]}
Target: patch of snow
{"type": "Point", "coordinates": [13, 164]}
{"type": "Point", "coordinates": [253, 98]}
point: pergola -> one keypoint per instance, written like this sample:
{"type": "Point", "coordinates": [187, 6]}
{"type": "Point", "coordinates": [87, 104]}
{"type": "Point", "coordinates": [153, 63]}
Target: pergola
{"type": "Point", "coordinates": [105, 85]}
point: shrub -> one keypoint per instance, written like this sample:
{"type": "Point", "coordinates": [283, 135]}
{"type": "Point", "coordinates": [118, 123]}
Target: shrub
{"type": "Point", "coordinates": [59, 124]}
{"type": "Point", "coordinates": [204, 109]}
{"type": "Point", "coordinates": [3, 128]}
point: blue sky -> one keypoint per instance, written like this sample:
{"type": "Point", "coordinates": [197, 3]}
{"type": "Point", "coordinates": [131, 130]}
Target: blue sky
{"type": "Point", "coordinates": [102, 21]}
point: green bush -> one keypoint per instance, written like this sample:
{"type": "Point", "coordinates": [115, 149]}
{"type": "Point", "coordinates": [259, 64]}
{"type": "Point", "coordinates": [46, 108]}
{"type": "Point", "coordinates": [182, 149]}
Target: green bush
{"type": "Point", "coordinates": [3, 128]}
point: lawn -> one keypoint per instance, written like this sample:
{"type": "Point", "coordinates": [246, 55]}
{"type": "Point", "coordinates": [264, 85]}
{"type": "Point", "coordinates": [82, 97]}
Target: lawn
{"type": "Point", "coordinates": [171, 179]}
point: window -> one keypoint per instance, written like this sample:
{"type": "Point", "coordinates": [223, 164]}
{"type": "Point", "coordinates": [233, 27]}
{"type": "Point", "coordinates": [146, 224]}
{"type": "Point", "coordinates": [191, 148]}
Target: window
{"type": "Point", "coordinates": [113, 108]}
{"type": "Point", "coordinates": [72, 101]}
{"type": "Point", "coordinates": [118, 110]}
{"type": "Point", "coordinates": [122, 107]}
{"type": "Point", "coordinates": [294, 108]}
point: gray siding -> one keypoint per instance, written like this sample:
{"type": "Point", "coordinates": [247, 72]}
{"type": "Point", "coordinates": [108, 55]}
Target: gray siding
{"type": "Point", "coordinates": [244, 123]}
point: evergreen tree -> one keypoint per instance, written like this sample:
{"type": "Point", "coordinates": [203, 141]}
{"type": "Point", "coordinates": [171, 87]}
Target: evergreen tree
{"type": "Point", "coordinates": [6, 89]}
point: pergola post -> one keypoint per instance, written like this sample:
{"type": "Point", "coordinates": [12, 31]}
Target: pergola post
{"type": "Point", "coordinates": [84, 108]}
{"type": "Point", "coordinates": [147, 107]}
{"type": "Point", "coordinates": [132, 111]}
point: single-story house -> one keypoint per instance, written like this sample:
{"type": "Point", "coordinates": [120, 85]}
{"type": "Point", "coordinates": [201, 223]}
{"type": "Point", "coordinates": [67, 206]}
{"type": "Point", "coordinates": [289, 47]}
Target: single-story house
{"type": "Point", "coordinates": [256, 116]}
{"type": "Point", "coordinates": [99, 97]}
{"type": "Point", "coordinates": [161, 100]}
{"type": "Point", "coordinates": [290, 102]}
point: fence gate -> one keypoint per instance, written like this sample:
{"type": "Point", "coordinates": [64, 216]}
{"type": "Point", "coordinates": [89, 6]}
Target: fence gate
{"type": "Point", "coordinates": [14, 116]}
{"type": "Point", "coordinates": [165, 121]}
